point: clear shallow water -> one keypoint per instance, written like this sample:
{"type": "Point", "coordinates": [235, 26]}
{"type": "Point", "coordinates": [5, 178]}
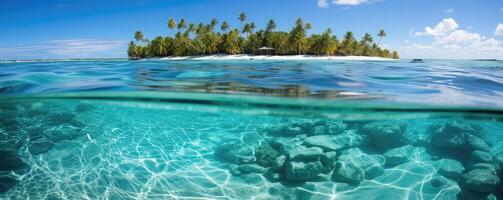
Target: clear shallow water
{"type": "Point", "coordinates": [121, 140]}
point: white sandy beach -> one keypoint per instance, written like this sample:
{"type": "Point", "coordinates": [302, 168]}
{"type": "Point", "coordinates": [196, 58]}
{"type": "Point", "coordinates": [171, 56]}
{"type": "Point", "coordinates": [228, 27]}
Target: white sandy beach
{"type": "Point", "coordinates": [265, 57]}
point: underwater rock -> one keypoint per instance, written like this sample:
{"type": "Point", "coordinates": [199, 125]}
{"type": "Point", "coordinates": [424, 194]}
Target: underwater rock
{"type": "Point", "coordinates": [251, 168]}
{"type": "Point", "coordinates": [328, 161]}
{"type": "Point", "coordinates": [272, 176]}
{"type": "Point", "coordinates": [499, 161]}
{"type": "Point", "coordinates": [354, 165]}
{"type": "Point", "coordinates": [8, 122]}
{"type": "Point", "coordinates": [438, 181]}
{"type": "Point", "coordinates": [307, 127]}
{"type": "Point", "coordinates": [283, 145]}
{"type": "Point", "coordinates": [305, 154]}
{"type": "Point", "coordinates": [77, 124]}
{"type": "Point", "coordinates": [302, 171]}
{"type": "Point", "coordinates": [347, 172]}
{"type": "Point", "coordinates": [325, 142]}
{"type": "Point", "coordinates": [330, 128]}
{"type": "Point", "coordinates": [398, 156]}
{"type": "Point", "coordinates": [481, 157]}
{"type": "Point", "coordinates": [482, 166]}
{"type": "Point", "coordinates": [457, 136]}
{"type": "Point", "coordinates": [348, 139]}
{"type": "Point", "coordinates": [234, 169]}
{"type": "Point", "coordinates": [417, 139]}
{"type": "Point", "coordinates": [472, 195]}
{"type": "Point", "coordinates": [385, 135]}
{"type": "Point", "coordinates": [476, 143]}
{"type": "Point", "coordinates": [40, 145]}
{"type": "Point", "coordinates": [35, 132]}
{"type": "Point", "coordinates": [6, 183]}
{"type": "Point", "coordinates": [285, 130]}
{"type": "Point", "coordinates": [480, 180]}
{"type": "Point", "coordinates": [451, 169]}
{"type": "Point", "coordinates": [10, 160]}
{"type": "Point", "coordinates": [265, 155]}
{"type": "Point", "coordinates": [235, 152]}
{"type": "Point", "coordinates": [278, 163]}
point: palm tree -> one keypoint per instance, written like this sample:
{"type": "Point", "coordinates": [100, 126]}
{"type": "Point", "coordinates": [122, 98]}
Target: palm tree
{"type": "Point", "coordinates": [271, 25]}
{"type": "Point", "coordinates": [242, 18]}
{"type": "Point", "coordinates": [395, 55]}
{"type": "Point", "coordinates": [158, 47]}
{"type": "Point", "coordinates": [309, 25]}
{"type": "Point", "coordinates": [191, 28]}
{"type": "Point", "coordinates": [246, 28]}
{"type": "Point", "coordinates": [182, 24]}
{"type": "Point", "coordinates": [381, 35]}
{"type": "Point", "coordinates": [348, 44]}
{"type": "Point", "coordinates": [324, 44]}
{"type": "Point", "coordinates": [201, 39]}
{"type": "Point", "coordinates": [364, 47]}
{"type": "Point", "coordinates": [280, 42]}
{"type": "Point", "coordinates": [252, 27]}
{"type": "Point", "coordinates": [138, 36]}
{"type": "Point", "coordinates": [213, 23]}
{"type": "Point", "coordinates": [297, 38]}
{"type": "Point", "coordinates": [132, 51]}
{"type": "Point", "coordinates": [224, 26]}
{"type": "Point", "coordinates": [367, 39]}
{"type": "Point", "coordinates": [231, 42]}
{"type": "Point", "coordinates": [171, 23]}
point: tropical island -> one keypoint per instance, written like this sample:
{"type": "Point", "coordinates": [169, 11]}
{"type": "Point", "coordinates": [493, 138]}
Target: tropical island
{"type": "Point", "coordinates": [202, 39]}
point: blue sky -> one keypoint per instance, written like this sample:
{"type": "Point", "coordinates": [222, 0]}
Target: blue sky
{"type": "Point", "coordinates": [100, 28]}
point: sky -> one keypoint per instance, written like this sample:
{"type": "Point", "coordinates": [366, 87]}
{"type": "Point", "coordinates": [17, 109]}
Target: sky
{"type": "Point", "coordinates": [453, 29]}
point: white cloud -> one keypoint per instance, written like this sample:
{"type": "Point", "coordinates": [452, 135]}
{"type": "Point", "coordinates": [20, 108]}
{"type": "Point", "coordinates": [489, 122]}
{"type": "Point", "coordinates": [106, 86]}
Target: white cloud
{"type": "Point", "coordinates": [458, 36]}
{"type": "Point", "coordinates": [499, 30]}
{"type": "Point", "coordinates": [74, 48]}
{"type": "Point", "coordinates": [448, 41]}
{"type": "Point", "coordinates": [322, 3]}
{"type": "Point", "coordinates": [349, 2]}
{"type": "Point", "coordinates": [449, 11]}
{"type": "Point", "coordinates": [445, 26]}
{"type": "Point", "coordinates": [345, 3]}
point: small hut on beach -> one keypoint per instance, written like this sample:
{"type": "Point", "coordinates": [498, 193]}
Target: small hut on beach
{"type": "Point", "coordinates": [266, 51]}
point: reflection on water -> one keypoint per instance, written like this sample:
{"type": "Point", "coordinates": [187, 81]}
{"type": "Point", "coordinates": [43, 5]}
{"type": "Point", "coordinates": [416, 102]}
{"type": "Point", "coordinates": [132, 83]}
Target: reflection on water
{"type": "Point", "coordinates": [476, 83]}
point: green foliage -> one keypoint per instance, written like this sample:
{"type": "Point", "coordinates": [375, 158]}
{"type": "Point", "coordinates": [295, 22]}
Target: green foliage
{"type": "Point", "coordinates": [138, 36]}
{"type": "Point", "coordinates": [324, 44]}
{"type": "Point", "coordinates": [232, 42]}
{"type": "Point", "coordinates": [224, 26]}
{"type": "Point", "coordinates": [348, 44]}
{"type": "Point", "coordinates": [297, 38]}
{"type": "Point", "coordinates": [171, 23]}
{"type": "Point", "coordinates": [190, 39]}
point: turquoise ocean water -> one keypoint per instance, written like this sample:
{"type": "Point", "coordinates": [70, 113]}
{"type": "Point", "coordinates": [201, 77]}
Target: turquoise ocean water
{"type": "Point", "coordinates": [118, 129]}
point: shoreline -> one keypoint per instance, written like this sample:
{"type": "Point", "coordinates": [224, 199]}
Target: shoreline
{"type": "Point", "coordinates": [242, 57]}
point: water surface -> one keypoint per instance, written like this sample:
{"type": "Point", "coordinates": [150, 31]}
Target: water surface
{"type": "Point", "coordinates": [218, 130]}
{"type": "Point", "coordinates": [460, 82]}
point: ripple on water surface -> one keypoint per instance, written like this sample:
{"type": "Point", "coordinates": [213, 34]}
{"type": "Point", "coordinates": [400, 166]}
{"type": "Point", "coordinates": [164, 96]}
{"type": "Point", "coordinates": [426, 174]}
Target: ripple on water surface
{"type": "Point", "coordinates": [477, 83]}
